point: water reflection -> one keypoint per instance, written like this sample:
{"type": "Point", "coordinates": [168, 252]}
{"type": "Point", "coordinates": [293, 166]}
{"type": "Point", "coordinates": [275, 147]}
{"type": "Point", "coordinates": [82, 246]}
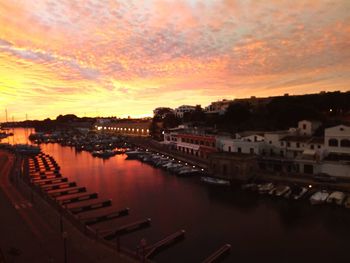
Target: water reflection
{"type": "Point", "coordinates": [258, 228]}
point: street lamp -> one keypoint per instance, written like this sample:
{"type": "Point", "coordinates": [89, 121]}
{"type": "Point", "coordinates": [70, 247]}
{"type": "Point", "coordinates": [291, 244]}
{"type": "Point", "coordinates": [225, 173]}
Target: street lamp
{"type": "Point", "coordinates": [65, 236]}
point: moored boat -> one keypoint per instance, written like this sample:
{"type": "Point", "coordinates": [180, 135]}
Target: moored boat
{"type": "Point", "coordinates": [282, 190]}
{"type": "Point", "coordinates": [133, 154]}
{"type": "Point", "coordinates": [319, 197]}
{"type": "Point", "coordinates": [336, 197]}
{"type": "Point", "coordinates": [217, 181]}
{"type": "Point", "coordinates": [298, 193]}
{"type": "Point", "coordinates": [265, 188]}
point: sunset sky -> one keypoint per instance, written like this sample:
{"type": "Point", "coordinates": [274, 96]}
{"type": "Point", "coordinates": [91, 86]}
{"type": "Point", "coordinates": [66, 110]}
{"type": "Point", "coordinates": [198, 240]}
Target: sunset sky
{"type": "Point", "coordinates": [120, 58]}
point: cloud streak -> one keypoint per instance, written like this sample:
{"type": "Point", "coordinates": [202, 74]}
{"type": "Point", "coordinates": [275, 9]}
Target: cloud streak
{"type": "Point", "coordinates": [127, 57]}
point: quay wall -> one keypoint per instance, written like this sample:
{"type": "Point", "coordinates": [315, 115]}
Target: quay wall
{"type": "Point", "coordinates": [165, 149]}
{"type": "Point", "coordinates": [80, 237]}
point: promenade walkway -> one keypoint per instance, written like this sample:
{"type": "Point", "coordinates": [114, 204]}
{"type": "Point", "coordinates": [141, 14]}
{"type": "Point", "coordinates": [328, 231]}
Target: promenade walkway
{"type": "Point", "coordinates": [30, 229]}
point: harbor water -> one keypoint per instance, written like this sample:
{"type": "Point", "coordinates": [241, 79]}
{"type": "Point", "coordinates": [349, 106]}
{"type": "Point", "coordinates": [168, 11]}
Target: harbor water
{"type": "Point", "coordinates": [259, 228]}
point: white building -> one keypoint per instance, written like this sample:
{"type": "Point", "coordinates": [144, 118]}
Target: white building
{"type": "Point", "coordinates": [218, 107]}
{"type": "Point", "coordinates": [250, 144]}
{"type": "Point", "coordinates": [180, 111]}
{"type": "Point", "coordinates": [162, 111]}
{"type": "Point", "coordinates": [308, 128]}
{"type": "Point", "coordinates": [337, 139]}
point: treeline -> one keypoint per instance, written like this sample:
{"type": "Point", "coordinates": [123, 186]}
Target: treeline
{"type": "Point", "coordinates": [62, 122]}
{"type": "Point", "coordinates": [270, 114]}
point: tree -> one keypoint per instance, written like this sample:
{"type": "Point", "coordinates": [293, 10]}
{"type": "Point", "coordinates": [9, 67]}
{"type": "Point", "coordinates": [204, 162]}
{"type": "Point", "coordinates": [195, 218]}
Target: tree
{"type": "Point", "coordinates": [235, 115]}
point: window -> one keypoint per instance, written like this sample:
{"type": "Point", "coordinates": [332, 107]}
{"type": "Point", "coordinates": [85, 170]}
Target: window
{"type": "Point", "coordinates": [251, 150]}
{"type": "Point", "coordinates": [229, 149]}
{"type": "Point", "coordinates": [281, 153]}
{"type": "Point", "coordinates": [304, 126]}
{"type": "Point", "coordinates": [288, 144]}
{"type": "Point", "coordinates": [282, 143]}
{"type": "Point", "coordinates": [345, 143]}
{"type": "Point", "coordinates": [333, 142]}
{"type": "Point", "coordinates": [312, 147]}
{"type": "Point", "coordinates": [239, 149]}
{"type": "Point", "coordinates": [319, 146]}
{"type": "Point", "coordinates": [298, 145]}
{"type": "Point", "coordinates": [270, 142]}
{"type": "Point", "coordinates": [272, 153]}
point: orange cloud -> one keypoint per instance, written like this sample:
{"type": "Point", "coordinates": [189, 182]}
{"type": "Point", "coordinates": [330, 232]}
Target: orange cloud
{"type": "Point", "coordinates": [128, 57]}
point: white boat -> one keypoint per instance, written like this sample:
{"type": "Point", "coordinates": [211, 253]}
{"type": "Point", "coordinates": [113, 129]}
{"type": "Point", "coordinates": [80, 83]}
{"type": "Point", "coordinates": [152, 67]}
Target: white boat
{"type": "Point", "coordinates": [133, 154]}
{"type": "Point", "coordinates": [300, 194]}
{"type": "Point", "coordinates": [188, 171]}
{"type": "Point", "coordinates": [336, 197]}
{"type": "Point", "coordinates": [319, 197]}
{"type": "Point", "coordinates": [282, 190]}
{"type": "Point", "coordinates": [212, 180]}
{"type": "Point", "coordinates": [265, 188]}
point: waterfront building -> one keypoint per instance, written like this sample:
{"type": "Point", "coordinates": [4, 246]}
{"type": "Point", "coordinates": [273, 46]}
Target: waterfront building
{"type": "Point", "coordinates": [243, 143]}
{"type": "Point", "coordinates": [191, 141]}
{"type": "Point", "coordinates": [127, 127]}
{"type": "Point", "coordinates": [180, 111]}
{"type": "Point", "coordinates": [233, 166]}
{"type": "Point", "coordinates": [337, 140]}
{"type": "Point", "coordinates": [295, 151]}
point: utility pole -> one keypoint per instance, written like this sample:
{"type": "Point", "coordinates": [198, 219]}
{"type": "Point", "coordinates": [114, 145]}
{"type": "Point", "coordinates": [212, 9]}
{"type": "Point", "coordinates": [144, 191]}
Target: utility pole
{"type": "Point", "coordinates": [6, 115]}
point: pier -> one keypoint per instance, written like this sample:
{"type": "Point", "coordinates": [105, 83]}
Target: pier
{"type": "Point", "coordinates": [83, 197]}
{"type": "Point", "coordinates": [68, 192]}
{"type": "Point", "coordinates": [129, 228]}
{"type": "Point", "coordinates": [103, 218]}
{"type": "Point", "coordinates": [219, 254]}
{"type": "Point", "coordinates": [152, 250]}
{"type": "Point", "coordinates": [86, 208]}
{"type": "Point", "coordinates": [61, 185]}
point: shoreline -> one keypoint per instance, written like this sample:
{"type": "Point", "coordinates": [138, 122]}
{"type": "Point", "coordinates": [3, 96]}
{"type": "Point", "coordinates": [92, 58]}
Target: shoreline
{"type": "Point", "coordinates": [80, 245]}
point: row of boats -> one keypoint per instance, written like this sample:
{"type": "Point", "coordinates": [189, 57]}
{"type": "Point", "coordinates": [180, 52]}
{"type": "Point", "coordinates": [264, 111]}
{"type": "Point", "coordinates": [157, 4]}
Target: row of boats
{"type": "Point", "coordinates": [301, 192]}
{"type": "Point", "coordinates": [168, 163]}
{"type": "Point", "coordinates": [107, 153]}
{"type": "Point", "coordinates": [99, 145]}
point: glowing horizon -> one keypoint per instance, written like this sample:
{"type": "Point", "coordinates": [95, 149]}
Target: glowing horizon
{"type": "Point", "coordinates": [125, 58]}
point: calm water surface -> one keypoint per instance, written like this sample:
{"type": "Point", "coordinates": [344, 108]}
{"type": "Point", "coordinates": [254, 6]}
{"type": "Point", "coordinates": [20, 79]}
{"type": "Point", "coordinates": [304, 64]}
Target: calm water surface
{"type": "Point", "coordinates": [260, 229]}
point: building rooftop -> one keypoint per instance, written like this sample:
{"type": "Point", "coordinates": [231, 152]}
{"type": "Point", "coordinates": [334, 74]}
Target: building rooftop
{"type": "Point", "coordinates": [296, 138]}
{"type": "Point", "coordinates": [318, 140]}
